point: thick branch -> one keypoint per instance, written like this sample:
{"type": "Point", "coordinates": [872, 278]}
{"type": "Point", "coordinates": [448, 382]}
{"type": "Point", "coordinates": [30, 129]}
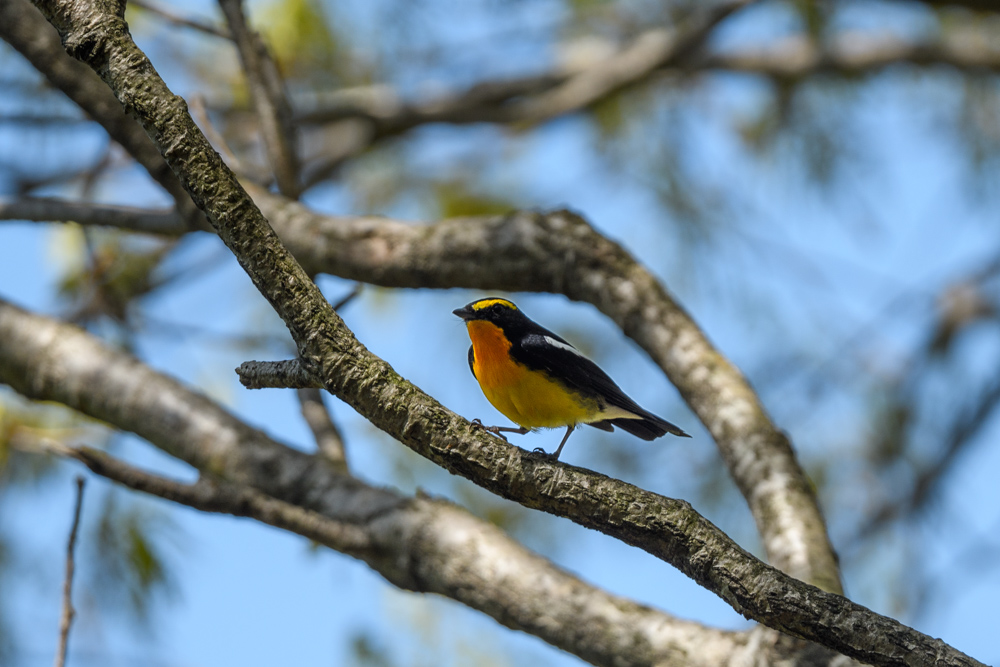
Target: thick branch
{"type": "Point", "coordinates": [419, 544]}
{"type": "Point", "coordinates": [559, 252]}
{"type": "Point", "coordinates": [47, 360]}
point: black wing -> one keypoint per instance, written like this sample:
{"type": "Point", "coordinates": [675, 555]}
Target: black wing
{"type": "Point", "coordinates": [547, 352]}
{"type": "Point", "coordinates": [472, 362]}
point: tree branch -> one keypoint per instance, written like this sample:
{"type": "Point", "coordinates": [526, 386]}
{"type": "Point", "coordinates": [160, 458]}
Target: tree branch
{"type": "Point", "coordinates": [96, 33]}
{"type": "Point", "coordinates": [221, 497]}
{"type": "Point", "coordinates": [47, 360]}
{"type": "Point", "coordinates": [568, 250]}
{"type": "Point", "coordinates": [327, 435]}
{"type": "Point", "coordinates": [516, 100]}
{"type": "Point", "coordinates": [68, 612]}
{"type": "Point", "coordinates": [652, 51]}
{"type": "Point", "coordinates": [559, 252]}
{"type": "Point", "coordinates": [268, 94]}
{"type": "Point", "coordinates": [420, 544]}
{"type": "Point", "coordinates": [29, 33]}
{"type": "Point", "coordinates": [43, 209]}
{"type": "Point", "coordinates": [182, 21]}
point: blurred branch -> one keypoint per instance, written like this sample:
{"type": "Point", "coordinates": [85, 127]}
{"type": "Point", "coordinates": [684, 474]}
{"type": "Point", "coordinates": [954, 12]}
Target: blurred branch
{"type": "Point", "coordinates": [220, 497]}
{"type": "Point", "coordinates": [255, 173]}
{"type": "Point", "coordinates": [329, 441]}
{"type": "Point", "coordinates": [66, 620]}
{"type": "Point", "coordinates": [651, 51]}
{"type": "Point", "coordinates": [929, 476]}
{"type": "Point", "coordinates": [182, 21]}
{"type": "Point", "coordinates": [420, 544]}
{"type": "Point", "coordinates": [41, 209]}
{"type": "Point", "coordinates": [532, 99]}
{"type": "Point", "coordinates": [849, 54]}
{"type": "Point", "coordinates": [267, 90]}
{"type": "Point", "coordinates": [24, 28]}
{"type": "Point", "coordinates": [545, 96]}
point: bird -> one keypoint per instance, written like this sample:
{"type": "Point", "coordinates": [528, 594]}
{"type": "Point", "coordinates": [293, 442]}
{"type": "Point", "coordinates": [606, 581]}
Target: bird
{"type": "Point", "coordinates": [538, 380]}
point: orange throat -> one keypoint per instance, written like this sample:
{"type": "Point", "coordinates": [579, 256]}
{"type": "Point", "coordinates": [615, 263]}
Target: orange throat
{"type": "Point", "coordinates": [528, 398]}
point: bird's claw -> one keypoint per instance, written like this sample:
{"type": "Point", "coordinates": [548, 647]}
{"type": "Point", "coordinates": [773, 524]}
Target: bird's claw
{"type": "Point", "coordinates": [544, 454]}
{"type": "Point", "coordinates": [495, 430]}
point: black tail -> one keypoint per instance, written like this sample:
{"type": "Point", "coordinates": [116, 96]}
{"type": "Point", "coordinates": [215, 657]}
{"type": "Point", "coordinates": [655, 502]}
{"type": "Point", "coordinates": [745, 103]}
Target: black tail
{"type": "Point", "coordinates": [647, 429]}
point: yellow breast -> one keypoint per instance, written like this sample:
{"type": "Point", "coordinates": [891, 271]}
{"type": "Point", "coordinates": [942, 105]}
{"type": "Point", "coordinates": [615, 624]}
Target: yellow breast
{"type": "Point", "coordinates": [528, 398]}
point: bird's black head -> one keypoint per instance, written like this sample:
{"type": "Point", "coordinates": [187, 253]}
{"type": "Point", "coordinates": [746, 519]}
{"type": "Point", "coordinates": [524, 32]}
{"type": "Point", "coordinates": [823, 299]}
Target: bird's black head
{"type": "Point", "coordinates": [500, 312]}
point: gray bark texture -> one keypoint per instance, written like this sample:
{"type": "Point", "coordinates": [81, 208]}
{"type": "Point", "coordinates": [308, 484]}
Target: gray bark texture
{"type": "Point", "coordinates": [419, 544]}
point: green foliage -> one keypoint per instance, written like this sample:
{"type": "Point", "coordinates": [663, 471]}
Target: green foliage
{"type": "Point", "coordinates": [456, 199]}
{"type": "Point", "coordinates": [367, 651]}
{"type": "Point", "coordinates": [24, 425]}
{"type": "Point", "coordinates": [112, 270]}
{"type": "Point", "coordinates": [128, 549]}
{"type": "Point", "coordinates": [299, 35]}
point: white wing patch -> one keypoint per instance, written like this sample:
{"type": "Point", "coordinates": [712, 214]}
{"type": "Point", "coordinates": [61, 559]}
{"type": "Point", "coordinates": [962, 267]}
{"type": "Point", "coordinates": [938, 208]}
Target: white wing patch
{"type": "Point", "coordinates": [565, 346]}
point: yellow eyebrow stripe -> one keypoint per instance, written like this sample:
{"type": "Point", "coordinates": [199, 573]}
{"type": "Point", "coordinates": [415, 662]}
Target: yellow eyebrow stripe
{"type": "Point", "coordinates": [486, 303]}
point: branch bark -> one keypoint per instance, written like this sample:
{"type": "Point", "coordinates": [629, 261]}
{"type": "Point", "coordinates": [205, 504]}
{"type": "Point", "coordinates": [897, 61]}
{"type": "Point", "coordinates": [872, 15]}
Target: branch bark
{"type": "Point", "coordinates": [420, 544]}
{"type": "Point", "coordinates": [47, 360]}
{"type": "Point", "coordinates": [559, 252]}
{"type": "Point", "coordinates": [329, 441]}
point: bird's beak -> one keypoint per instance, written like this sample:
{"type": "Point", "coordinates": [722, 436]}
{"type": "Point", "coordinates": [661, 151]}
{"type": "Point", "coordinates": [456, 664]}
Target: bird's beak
{"type": "Point", "coordinates": [465, 313]}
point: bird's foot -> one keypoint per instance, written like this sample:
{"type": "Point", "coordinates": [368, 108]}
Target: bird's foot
{"type": "Point", "coordinates": [544, 454]}
{"type": "Point", "coordinates": [495, 430]}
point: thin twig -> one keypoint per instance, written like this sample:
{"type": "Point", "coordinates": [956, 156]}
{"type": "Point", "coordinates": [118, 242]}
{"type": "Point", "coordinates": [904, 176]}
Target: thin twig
{"type": "Point", "coordinates": [350, 296]}
{"type": "Point", "coordinates": [329, 441]}
{"type": "Point", "coordinates": [182, 21]}
{"type": "Point", "coordinates": [44, 209]}
{"type": "Point", "coordinates": [221, 497]}
{"type": "Point", "coordinates": [287, 374]}
{"type": "Point", "coordinates": [267, 91]}
{"type": "Point", "coordinates": [200, 112]}
{"type": "Point", "coordinates": [67, 603]}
